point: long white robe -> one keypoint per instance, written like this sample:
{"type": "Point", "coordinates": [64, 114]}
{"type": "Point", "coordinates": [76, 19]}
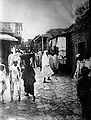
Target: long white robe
{"type": "Point", "coordinates": [46, 70]}
{"type": "Point", "coordinates": [55, 61]}
{"type": "Point", "coordinates": [10, 60]}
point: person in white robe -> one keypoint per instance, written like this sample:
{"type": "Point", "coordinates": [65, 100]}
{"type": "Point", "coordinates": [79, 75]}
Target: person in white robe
{"type": "Point", "coordinates": [55, 62]}
{"type": "Point", "coordinates": [77, 71]}
{"type": "Point", "coordinates": [10, 59]}
{"type": "Point", "coordinates": [46, 70]}
{"type": "Point", "coordinates": [15, 81]}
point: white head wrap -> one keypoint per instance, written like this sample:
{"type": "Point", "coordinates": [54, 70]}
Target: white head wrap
{"type": "Point", "coordinates": [45, 51]}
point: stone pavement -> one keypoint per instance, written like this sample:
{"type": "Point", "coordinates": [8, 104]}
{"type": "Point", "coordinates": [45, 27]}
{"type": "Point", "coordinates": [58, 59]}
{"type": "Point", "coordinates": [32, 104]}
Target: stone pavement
{"type": "Point", "coordinates": [55, 100]}
{"type": "Point", "coordinates": [58, 96]}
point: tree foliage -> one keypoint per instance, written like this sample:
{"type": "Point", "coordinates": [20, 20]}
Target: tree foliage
{"type": "Point", "coordinates": [81, 10]}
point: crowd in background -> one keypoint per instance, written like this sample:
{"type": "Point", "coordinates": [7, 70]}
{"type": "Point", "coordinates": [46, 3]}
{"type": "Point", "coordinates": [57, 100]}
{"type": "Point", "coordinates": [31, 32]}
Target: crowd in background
{"type": "Point", "coordinates": [55, 60]}
{"type": "Point", "coordinates": [21, 64]}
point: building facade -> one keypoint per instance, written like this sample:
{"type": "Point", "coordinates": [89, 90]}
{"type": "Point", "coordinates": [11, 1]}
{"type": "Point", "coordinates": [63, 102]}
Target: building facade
{"type": "Point", "coordinates": [77, 40]}
{"type": "Point", "coordinates": [10, 35]}
{"type": "Point", "coordinates": [13, 28]}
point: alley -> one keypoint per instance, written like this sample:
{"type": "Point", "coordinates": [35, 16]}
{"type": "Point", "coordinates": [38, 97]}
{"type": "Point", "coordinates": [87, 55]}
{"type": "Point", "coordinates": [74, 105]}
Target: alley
{"type": "Point", "coordinates": [55, 100]}
{"type": "Point", "coordinates": [55, 36]}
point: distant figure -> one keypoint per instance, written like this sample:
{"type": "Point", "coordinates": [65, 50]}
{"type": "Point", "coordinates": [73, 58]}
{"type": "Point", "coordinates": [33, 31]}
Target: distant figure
{"type": "Point", "coordinates": [50, 60]}
{"type": "Point", "coordinates": [46, 70]}
{"type": "Point", "coordinates": [17, 57]}
{"type": "Point", "coordinates": [40, 59]}
{"type": "Point", "coordinates": [55, 63]}
{"type": "Point", "coordinates": [77, 71]}
{"type": "Point", "coordinates": [28, 76]}
{"type": "Point", "coordinates": [10, 60]}
{"type": "Point", "coordinates": [84, 93]}
{"type": "Point", "coordinates": [36, 59]}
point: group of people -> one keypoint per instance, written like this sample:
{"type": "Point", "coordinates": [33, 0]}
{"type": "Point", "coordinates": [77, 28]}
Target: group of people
{"type": "Point", "coordinates": [53, 60]}
{"type": "Point", "coordinates": [21, 76]}
{"type": "Point", "coordinates": [21, 70]}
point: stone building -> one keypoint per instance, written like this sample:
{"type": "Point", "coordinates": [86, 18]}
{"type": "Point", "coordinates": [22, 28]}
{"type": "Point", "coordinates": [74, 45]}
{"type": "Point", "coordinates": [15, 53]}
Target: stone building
{"type": "Point", "coordinates": [12, 28]}
{"type": "Point", "coordinates": [6, 43]}
{"type": "Point", "coordinates": [40, 43]}
{"type": "Point", "coordinates": [10, 35]}
{"type": "Point", "coordinates": [77, 40]}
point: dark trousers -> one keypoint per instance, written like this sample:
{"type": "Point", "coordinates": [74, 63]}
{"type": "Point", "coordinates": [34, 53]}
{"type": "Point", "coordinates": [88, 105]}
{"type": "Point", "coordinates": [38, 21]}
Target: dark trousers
{"type": "Point", "coordinates": [86, 106]}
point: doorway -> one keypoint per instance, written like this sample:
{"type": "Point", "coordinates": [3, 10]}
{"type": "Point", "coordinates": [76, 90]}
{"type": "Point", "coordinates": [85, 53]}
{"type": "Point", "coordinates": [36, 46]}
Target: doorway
{"type": "Point", "coordinates": [81, 49]}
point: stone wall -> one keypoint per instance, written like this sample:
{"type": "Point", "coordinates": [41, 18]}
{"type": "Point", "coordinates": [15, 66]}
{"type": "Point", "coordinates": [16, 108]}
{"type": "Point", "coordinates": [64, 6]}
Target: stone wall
{"type": "Point", "coordinates": [80, 33]}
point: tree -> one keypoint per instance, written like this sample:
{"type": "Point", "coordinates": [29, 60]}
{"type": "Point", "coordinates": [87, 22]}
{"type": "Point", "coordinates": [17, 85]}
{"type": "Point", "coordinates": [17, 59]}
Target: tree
{"type": "Point", "coordinates": [80, 11]}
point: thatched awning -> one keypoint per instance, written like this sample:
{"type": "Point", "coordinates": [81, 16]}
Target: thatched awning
{"type": "Point", "coordinates": [52, 33]}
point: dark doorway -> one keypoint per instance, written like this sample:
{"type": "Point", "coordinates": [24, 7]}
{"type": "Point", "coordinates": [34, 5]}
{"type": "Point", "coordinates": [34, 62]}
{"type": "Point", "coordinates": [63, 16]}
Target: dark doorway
{"type": "Point", "coordinates": [81, 49]}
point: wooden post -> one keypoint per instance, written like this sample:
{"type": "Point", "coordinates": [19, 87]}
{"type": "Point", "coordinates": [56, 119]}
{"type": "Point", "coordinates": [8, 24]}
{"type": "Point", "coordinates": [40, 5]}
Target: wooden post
{"type": "Point", "coordinates": [42, 45]}
{"type": "Point", "coordinates": [47, 43]}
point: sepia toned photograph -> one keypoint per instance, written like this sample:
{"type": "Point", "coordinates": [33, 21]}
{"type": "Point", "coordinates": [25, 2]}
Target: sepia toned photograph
{"type": "Point", "coordinates": [45, 60]}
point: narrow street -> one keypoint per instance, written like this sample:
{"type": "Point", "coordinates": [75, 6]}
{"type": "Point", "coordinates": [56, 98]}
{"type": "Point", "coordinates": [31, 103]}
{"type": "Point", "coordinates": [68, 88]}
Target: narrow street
{"type": "Point", "coordinates": [50, 34]}
{"type": "Point", "coordinates": [55, 100]}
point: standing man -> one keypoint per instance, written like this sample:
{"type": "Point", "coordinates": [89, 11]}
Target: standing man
{"type": "Point", "coordinates": [40, 60]}
{"type": "Point", "coordinates": [46, 70]}
{"type": "Point", "coordinates": [10, 60]}
{"type": "Point", "coordinates": [28, 76]}
{"type": "Point", "coordinates": [84, 93]}
{"type": "Point", "coordinates": [55, 62]}
{"type": "Point", "coordinates": [14, 81]}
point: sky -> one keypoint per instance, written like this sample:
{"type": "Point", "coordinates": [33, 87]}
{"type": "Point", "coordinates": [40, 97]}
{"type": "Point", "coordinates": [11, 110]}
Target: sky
{"type": "Point", "coordinates": [38, 16]}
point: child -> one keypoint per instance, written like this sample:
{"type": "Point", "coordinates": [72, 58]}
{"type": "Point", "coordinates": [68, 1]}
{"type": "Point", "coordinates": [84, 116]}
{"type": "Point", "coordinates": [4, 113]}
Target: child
{"type": "Point", "coordinates": [15, 81]}
{"type": "Point", "coordinates": [2, 82]}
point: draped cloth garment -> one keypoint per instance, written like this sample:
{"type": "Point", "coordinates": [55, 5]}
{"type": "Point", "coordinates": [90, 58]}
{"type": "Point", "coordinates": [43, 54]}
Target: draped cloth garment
{"type": "Point", "coordinates": [28, 75]}
{"type": "Point", "coordinates": [46, 70]}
